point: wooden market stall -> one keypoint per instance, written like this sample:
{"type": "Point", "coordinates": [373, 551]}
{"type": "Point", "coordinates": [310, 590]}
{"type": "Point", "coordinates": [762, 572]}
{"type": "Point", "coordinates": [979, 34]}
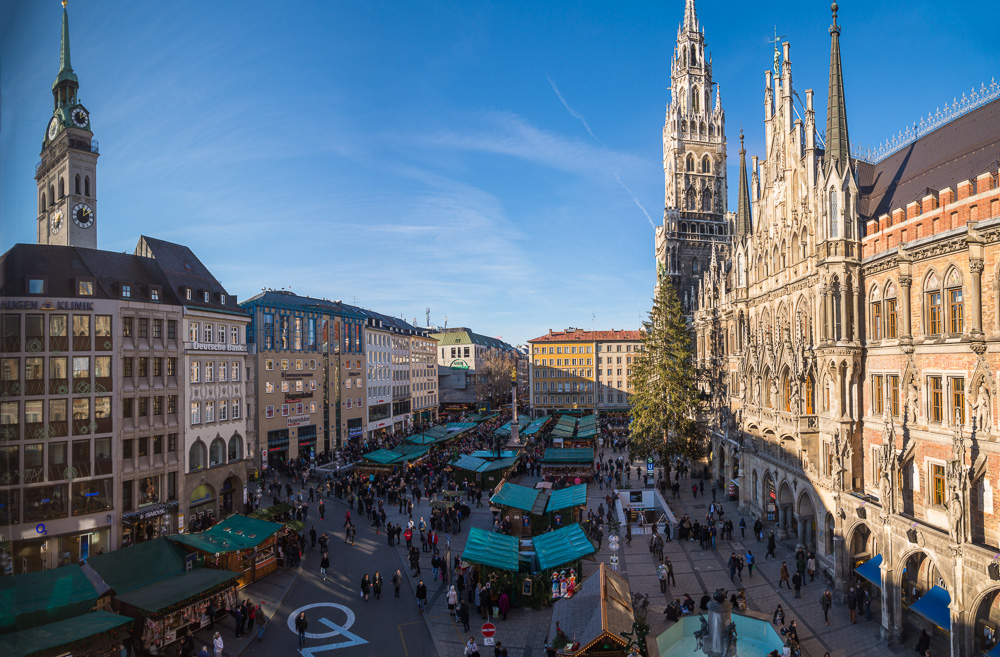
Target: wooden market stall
{"type": "Point", "coordinates": [566, 505]}
{"type": "Point", "coordinates": [239, 543]}
{"type": "Point", "coordinates": [591, 622]}
{"type": "Point", "coordinates": [97, 634]}
{"type": "Point", "coordinates": [518, 504]}
{"type": "Point", "coordinates": [567, 465]}
{"type": "Point", "coordinates": [158, 584]}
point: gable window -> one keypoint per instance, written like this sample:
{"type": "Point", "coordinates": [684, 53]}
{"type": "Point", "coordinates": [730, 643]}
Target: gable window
{"type": "Point", "coordinates": [932, 294]}
{"type": "Point", "coordinates": [154, 294]}
{"type": "Point", "coordinates": [187, 293]}
{"type": "Point", "coordinates": [207, 296]}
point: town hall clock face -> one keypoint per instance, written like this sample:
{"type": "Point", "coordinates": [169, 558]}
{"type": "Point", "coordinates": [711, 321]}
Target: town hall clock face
{"type": "Point", "coordinates": [80, 117]}
{"type": "Point", "coordinates": [56, 221]}
{"type": "Point", "coordinates": [83, 215]}
{"type": "Point", "coordinates": [53, 127]}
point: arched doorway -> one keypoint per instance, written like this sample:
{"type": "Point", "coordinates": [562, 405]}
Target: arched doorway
{"type": "Point", "coordinates": [805, 518]}
{"type": "Point", "coordinates": [985, 634]}
{"type": "Point", "coordinates": [923, 590]}
{"type": "Point", "coordinates": [231, 490]}
{"type": "Point", "coordinates": [786, 504]}
{"type": "Point", "coordinates": [861, 545]}
{"type": "Point", "coordinates": [201, 507]}
{"type": "Point", "coordinates": [770, 499]}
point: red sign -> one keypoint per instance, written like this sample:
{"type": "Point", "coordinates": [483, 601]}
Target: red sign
{"type": "Point", "coordinates": [489, 629]}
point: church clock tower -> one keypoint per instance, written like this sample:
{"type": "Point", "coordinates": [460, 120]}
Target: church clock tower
{"type": "Point", "coordinates": [695, 224]}
{"type": "Point", "coordinates": [67, 173]}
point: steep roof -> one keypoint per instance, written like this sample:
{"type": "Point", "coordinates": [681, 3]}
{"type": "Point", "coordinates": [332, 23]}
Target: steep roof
{"type": "Point", "coordinates": [288, 299]}
{"type": "Point", "coordinates": [959, 150]}
{"type": "Point", "coordinates": [465, 336]}
{"type": "Point", "coordinates": [600, 609]}
{"type": "Point", "coordinates": [578, 335]}
{"type": "Point", "coordinates": [182, 268]}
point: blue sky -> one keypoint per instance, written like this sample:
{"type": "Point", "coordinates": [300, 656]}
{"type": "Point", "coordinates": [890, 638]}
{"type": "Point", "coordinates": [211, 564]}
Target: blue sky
{"type": "Point", "coordinates": [479, 158]}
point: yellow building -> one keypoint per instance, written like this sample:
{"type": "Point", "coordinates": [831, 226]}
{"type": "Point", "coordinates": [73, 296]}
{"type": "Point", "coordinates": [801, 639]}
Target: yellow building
{"type": "Point", "coordinates": [563, 372]}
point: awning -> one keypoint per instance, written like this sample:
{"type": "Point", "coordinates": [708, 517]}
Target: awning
{"type": "Point", "coordinates": [514, 496]}
{"type": "Point", "coordinates": [43, 597]}
{"type": "Point", "coordinates": [934, 607]}
{"type": "Point", "coordinates": [466, 462]}
{"type": "Point", "coordinates": [565, 498]}
{"type": "Point", "coordinates": [237, 532]}
{"type": "Point", "coordinates": [60, 634]}
{"type": "Point", "coordinates": [139, 565]}
{"type": "Point", "coordinates": [870, 570]}
{"type": "Point", "coordinates": [177, 589]}
{"type": "Point", "coordinates": [147, 512]}
{"type": "Point", "coordinates": [562, 546]}
{"type": "Point", "coordinates": [567, 456]}
{"type": "Point", "coordinates": [491, 549]}
{"type": "Point", "coordinates": [995, 652]}
{"type": "Point", "coordinates": [491, 454]}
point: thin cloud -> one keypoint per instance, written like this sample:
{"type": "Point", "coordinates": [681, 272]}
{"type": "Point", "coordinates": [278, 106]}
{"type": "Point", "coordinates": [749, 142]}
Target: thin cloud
{"type": "Point", "coordinates": [618, 178]}
{"type": "Point", "coordinates": [572, 112]}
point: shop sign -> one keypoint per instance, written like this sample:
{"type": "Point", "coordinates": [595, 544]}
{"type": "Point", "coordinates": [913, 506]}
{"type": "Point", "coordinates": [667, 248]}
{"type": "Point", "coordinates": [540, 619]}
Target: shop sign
{"type": "Point", "coordinates": [354, 431]}
{"type": "Point", "coordinates": [459, 364]}
{"type": "Point", "coordinates": [35, 304]}
{"type": "Point", "coordinates": [147, 512]}
{"type": "Point", "coordinates": [298, 420]}
{"type": "Point", "coordinates": [218, 346]}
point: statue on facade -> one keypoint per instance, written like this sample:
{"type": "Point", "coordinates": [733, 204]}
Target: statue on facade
{"type": "Point", "coordinates": [793, 400]}
{"type": "Point", "coordinates": [912, 401]}
{"type": "Point", "coordinates": [956, 519]}
{"type": "Point", "coordinates": [983, 409]}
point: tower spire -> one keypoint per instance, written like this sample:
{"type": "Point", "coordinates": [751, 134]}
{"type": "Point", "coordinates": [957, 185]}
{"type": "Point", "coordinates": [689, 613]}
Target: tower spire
{"type": "Point", "coordinates": [66, 84]}
{"type": "Point", "coordinates": [690, 17]}
{"type": "Point", "coordinates": [837, 145]}
{"type": "Point", "coordinates": [64, 62]}
{"type": "Point", "coordinates": [744, 224]}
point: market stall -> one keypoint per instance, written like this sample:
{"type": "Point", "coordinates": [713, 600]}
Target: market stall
{"type": "Point", "coordinates": [46, 596]}
{"type": "Point", "coordinates": [561, 550]}
{"type": "Point", "coordinates": [591, 622]}
{"type": "Point", "coordinates": [97, 634]}
{"type": "Point", "coordinates": [517, 504]}
{"type": "Point", "coordinates": [491, 551]}
{"type": "Point", "coordinates": [567, 465]}
{"type": "Point", "coordinates": [238, 543]}
{"type": "Point", "coordinates": [566, 505]}
{"type": "Point", "coordinates": [157, 584]}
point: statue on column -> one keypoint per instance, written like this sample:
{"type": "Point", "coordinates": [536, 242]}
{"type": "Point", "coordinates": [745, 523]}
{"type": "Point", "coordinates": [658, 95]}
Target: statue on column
{"type": "Point", "coordinates": [842, 455]}
{"type": "Point", "coordinates": [912, 401]}
{"type": "Point", "coordinates": [888, 467]}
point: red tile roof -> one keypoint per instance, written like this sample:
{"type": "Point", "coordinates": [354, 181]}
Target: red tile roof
{"type": "Point", "coordinates": [589, 336]}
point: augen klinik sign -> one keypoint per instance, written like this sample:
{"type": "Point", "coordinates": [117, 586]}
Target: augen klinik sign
{"type": "Point", "coordinates": [47, 304]}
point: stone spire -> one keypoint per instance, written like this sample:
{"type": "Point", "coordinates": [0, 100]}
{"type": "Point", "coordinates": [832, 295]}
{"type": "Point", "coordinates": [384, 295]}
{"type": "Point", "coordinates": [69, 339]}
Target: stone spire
{"type": "Point", "coordinates": [690, 17]}
{"type": "Point", "coordinates": [837, 145]}
{"type": "Point", "coordinates": [744, 224]}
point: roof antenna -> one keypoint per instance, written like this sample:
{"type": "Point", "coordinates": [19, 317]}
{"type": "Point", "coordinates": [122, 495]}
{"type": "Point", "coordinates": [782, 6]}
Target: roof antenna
{"type": "Point", "coordinates": [446, 321]}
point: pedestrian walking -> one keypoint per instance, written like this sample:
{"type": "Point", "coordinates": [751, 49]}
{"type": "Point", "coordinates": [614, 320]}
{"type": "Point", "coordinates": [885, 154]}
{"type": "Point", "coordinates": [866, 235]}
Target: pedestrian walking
{"type": "Point", "coordinates": [868, 605]}
{"type": "Point", "coordinates": [758, 529]}
{"type": "Point", "coordinates": [750, 562]}
{"type": "Point", "coordinates": [771, 545]}
{"type": "Point", "coordinates": [397, 579]}
{"type": "Point", "coordinates": [471, 649]}
{"type": "Point", "coordinates": [743, 528]}
{"type": "Point", "coordinates": [261, 621]}
{"type": "Point", "coordinates": [463, 615]}
{"type": "Point", "coordinates": [811, 567]}
{"type": "Point", "coordinates": [251, 616]}
{"type": "Point", "coordinates": [324, 563]}
{"type": "Point", "coordinates": [301, 623]}
{"type": "Point", "coordinates": [783, 576]}
{"type": "Point", "coordinates": [421, 594]}
{"type": "Point", "coordinates": [670, 572]}
{"type": "Point", "coordinates": [377, 585]}
{"type": "Point", "coordinates": [797, 583]}
{"type": "Point", "coordinates": [732, 566]}
{"type": "Point", "coordinates": [661, 574]}
{"type": "Point", "coordinates": [852, 601]}
{"type": "Point", "coordinates": [452, 599]}
{"type": "Point", "coordinates": [217, 644]}
{"type": "Point", "coordinates": [825, 602]}
{"type": "Point", "coordinates": [366, 586]}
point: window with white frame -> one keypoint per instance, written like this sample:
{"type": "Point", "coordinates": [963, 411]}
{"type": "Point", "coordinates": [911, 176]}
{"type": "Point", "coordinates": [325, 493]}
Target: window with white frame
{"type": "Point", "coordinates": [195, 413]}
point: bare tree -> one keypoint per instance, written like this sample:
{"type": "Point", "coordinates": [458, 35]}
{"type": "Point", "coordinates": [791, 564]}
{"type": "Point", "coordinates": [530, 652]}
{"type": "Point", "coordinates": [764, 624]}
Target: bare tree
{"type": "Point", "coordinates": [496, 376]}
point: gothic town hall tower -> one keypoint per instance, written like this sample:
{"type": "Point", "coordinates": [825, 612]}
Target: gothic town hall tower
{"type": "Point", "coordinates": [694, 167]}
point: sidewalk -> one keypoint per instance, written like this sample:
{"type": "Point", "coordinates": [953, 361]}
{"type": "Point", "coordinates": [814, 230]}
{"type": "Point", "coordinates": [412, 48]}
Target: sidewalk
{"type": "Point", "coordinates": [698, 571]}
{"type": "Point", "coordinates": [272, 590]}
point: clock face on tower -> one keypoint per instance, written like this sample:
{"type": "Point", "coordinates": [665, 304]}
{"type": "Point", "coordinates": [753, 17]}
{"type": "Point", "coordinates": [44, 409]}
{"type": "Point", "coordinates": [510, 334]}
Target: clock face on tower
{"type": "Point", "coordinates": [83, 215]}
{"type": "Point", "coordinates": [80, 117]}
{"type": "Point", "coordinates": [53, 128]}
{"type": "Point", "coordinates": [56, 221]}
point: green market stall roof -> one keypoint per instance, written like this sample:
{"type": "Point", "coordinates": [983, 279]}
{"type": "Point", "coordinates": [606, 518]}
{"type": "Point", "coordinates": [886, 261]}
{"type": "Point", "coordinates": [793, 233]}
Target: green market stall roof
{"type": "Point", "coordinates": [505, 430]}
{"type": "Point", "coordinates": [236, 532]}
{"type": "Point", "coordinates": [536, 425]}
{"type": "Point", "coordinates": [565, 427]}
{"type": "Point", "coordinates": [61, 633]}
{"type": "Point", "coordinates": [562, 546]}
{"type": "Point", "coordinates": [421, 439]}
{"type": "Point", "coordinates": [491, 549]}
{"type": "Point", "coordinates": [139, 565]}
{"type": "Point", "coordinates": [397, 454]}
{"type": "Point", "coordinates": [498, 464]}
{"type": "Point", "coordinates": [459, 427]}
{"type": "Point", "coordinates": [438, 431]}
{"type": "Point", "coordinates": [516, 497]}
{"type": "Point", "coordinates": [481, 417]}
{"type": "Point", "coordinates": [568, 456]}
{"type": "Point", "coordinates": [43, 597]}
{"type": "Point", "coordinates": [565, 498]}
{"type": "Point", "coordinates": [381, 456]}
{"type": "Point", "coordinates": [490, 454]}
{"type": "Point", "coordinates": [177, 589]}
{"type": "Point", "coordinates": [467, 462]}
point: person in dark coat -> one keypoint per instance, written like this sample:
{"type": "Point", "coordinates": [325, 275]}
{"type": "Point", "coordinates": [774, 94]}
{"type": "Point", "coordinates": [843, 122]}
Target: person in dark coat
{"type": "Point", "coordinates": [463, 615]}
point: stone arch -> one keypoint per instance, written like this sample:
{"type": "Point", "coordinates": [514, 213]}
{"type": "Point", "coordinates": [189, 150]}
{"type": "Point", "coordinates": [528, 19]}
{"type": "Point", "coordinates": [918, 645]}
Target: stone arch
{"type": "Point", "coordinates": [234, 451]}
{"type": "Point", "coordinates": [689, 164]}
{"type": "Point", "coordinates": [230, 495]}
{"type": "Point", "coordinates": [197, 456]}
{"type": "Point", "coordinates": [217, 452]}
{"type": "Point", "coordinates": [861, 542]}
{"type": "Point", "coordinates": [785, 493]}
{"type": "Point", "coordinates": [900, 563]}
{"type": "Point", "coordinates": [989, 594]}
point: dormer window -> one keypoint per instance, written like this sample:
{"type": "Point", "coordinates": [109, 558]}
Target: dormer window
{"type": "Point", "coordinates": [85, 288]}
{"type": "Point", "coordinates": [187, 293]}
{"type": "Point", "coordinates": [222, 299]}
{"type": "Point", "coordinates": [36, 286]}
{"type": "Point", "coordinates": [154, 293]}
{"type": "Point", "coordinates": [126, 291]}
{"type": "Point", "coordinates": [207, 296]}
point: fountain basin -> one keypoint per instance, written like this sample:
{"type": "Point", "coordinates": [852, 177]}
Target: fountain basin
{"type": "Point", "coordinates": [757, 637]}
